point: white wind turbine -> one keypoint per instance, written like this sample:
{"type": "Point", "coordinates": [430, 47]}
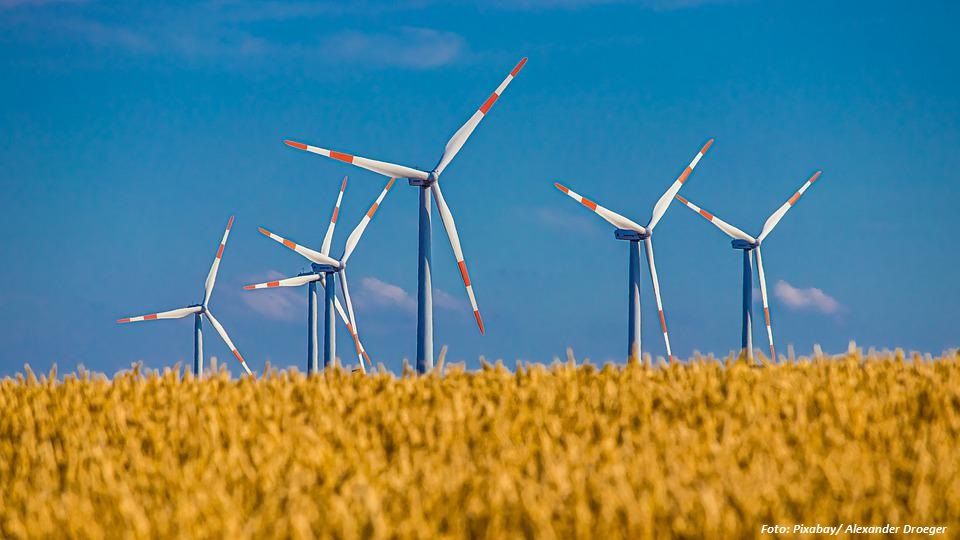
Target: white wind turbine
{"type": "Point", "coordinates": [199, 311]}
{"type": "Point", "coordinates": [634, 233]}
{"type": "Point", "coordinates": [324, 267]}
{"type": "Point", "coordinates": [429, 184]}
{"type": "Point", "coordinates": [311, 278]}
{"type": "Point", "coordinates": [748, 244]}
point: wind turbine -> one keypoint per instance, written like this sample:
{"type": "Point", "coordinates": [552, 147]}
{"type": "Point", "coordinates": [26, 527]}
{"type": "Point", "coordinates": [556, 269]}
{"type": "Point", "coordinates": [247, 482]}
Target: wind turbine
{"type": "Point", "coordinates": [311, 278]}
{"type": "Point", "coordinates": [198, 311]}
{"type": "Point", "coordinates": [634, 233]}
{"type": "Point", "coordinates": [324, 267]}
{"type": "Point", "coordinates": [748, 244]}
{"type": "Point", "coordinates": [429, 184]}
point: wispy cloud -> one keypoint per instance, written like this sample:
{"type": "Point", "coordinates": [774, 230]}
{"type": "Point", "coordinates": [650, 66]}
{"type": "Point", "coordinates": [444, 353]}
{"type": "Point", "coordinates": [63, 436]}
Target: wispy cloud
{"type": "Point", "coordinates": [419, 48]}
{"type": "Point", "coordinates": [231, 31]}
{"type": "Point", "coordinates": [809, 298]}
{"type": "Point", "coordinates": [11, 4]}
{"type": "Point", "coordinates": [444, 300]}
{"type": "Point", "coordinates": [565, 220]}
{"type": "Point", "coordinates": [375, 293]}
{"type": "Point", "coordinates": [657, 5]}
{"type": "Point", "coordinates": [280, 304]}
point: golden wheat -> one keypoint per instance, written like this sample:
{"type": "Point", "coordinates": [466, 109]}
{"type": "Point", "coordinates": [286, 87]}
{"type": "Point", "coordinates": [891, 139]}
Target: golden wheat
{"type": "Point", "coordinates": [707, 449]}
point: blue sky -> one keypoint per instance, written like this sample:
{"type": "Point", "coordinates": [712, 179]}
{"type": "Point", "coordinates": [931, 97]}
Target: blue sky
{"type": "Point", "coordinates": [129, 134]}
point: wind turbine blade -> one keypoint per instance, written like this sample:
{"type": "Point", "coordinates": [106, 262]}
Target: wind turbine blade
{"type": "Point", "coordinates": [226, 339]}
{"type": "Point", "coordinates": [354, 237]}
{"type": "Point", "coordinates": [356, 332]}
{"type": "Point", "coordinates": [661, 207]}
{"type": "Point", "coordinates": [212, 275]}
{"type": "Point", "coordinates": [346, 322]}
{"type": "Point", "coordinates": [608, 215]}
{"type": "Point", "coordinates": [778, 215]}
{"type": "Point", "coordinates": [380, 167]}
{"type": "Point", "coordinates": [309, 254]}
{"type": "Point", "coordinates": [295, 281]}
{"type": "Point", "coordinates": [729, 229]}
{"type": "Point", "coordinates": [766, 308]}
{"type": "Point", "coordinates": [451, 227]}
{"type": "Point", "coordinates": [460, 137]}
{"type": "Point", "coordinates": [656, 293]}
{"type": "Point", "coordinates": [325, 247]}
{"type": "Point", "coordinates": [172, 314]}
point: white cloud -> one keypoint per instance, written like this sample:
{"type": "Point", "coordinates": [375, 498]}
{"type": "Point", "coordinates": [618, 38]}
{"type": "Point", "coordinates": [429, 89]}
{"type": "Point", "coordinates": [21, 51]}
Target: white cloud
{"type": "Point", "coordinates": [419, 48]}
{"type": "Point", "coordinates": [443, 300]}
{"type": "Point", "coordinates": [809, 298]}
{"type": "Point", "coordinates": [10, 4]}
{"type": "Point", "coordinates": [566, 220]}
{"type": "Point", "coordinates": [374, 293]}
{"type": "Point", "coordinates": [280, 304]}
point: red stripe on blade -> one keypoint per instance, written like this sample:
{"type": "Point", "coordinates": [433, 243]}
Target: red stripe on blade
{"type": "Point", "coordinates": [289, 244]}
{"type": "Point", "coordinates": [588, 203]}
{"type": "Point", "coordinates": [706, 214]}
{"type": "Point", "coordinates": [519, 66]}
{"type": "Point", "coordinates": [237, 354]}
{"type": "Point", "coordinates": [685, 175]}
{"type": "Point", "coordinates": [463, 273]}
{"type": "Point", "coordinates": [766, 313]}
{"type": "Point", "coordinates": [220, 252]}
{"type": "Point", "coordinates": [336, 211]}
{"type": "Point", "coordinates": [373, 210]}
{"type": "Point", "coordinates": [489, 103]}
{"type": "Point", "coordinates": [341, 156]}
{"type": "Point", "coordinates": [295, 144]}
{"type": "Point", "coordinates": [793, 200]}
{"type": "Point", "coordinates": [273, 284]}
{"type": "Point", "coordinates": [151, 317]}
{"type": "Point", "coordinates": [663, 322]}
{"type": "Point", "coordinates": [476, 315]}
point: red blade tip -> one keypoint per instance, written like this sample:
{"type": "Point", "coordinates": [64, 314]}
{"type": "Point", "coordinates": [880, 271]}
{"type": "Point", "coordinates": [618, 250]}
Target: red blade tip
{"type": "Point", "coordinates": [681, 199]}
{"type": "Point", "coordinates": [249, 287]}
{"type": "Point", "coordinates": [519, 66]}
{"type": "Point", "coordinates": [124, 320]}
{"type": "Point", "coordinates": [263, 231]}
{"type": "Point", "coordinates": [476, 314]}
{"type": "Point", "coordinates": [295, 144]}
{"type": "Point", "coordinates": [561, 187]}
{"type": "Point", "coordinates": [707, 146]}
{"type": "Point", "coordinates": [230, 223]}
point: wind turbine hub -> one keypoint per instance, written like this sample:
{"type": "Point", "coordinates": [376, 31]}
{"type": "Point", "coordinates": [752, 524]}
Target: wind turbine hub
{"type": "Point", "coordinates": [323, 268]}
{"type": "Point", "coordinates": [744, 245]}
{"type": "Point", "coordinates": [424, 183]}
{"type": "Point", "coordinates": [630, 234]}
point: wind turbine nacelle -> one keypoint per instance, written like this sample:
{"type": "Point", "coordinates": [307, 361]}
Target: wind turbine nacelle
{"type": "Point", "coordinates": [743, 244]}
{"type": "Point", "coordinates": [628, 234]}
{"type": "Point", "coordinates": [422, 183]}
{"type": "Point", "coordinates": [323, 268]}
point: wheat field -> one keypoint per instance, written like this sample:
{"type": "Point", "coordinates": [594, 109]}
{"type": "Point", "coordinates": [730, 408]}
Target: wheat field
{"type": "Point", "coordinates": [703, 449]}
